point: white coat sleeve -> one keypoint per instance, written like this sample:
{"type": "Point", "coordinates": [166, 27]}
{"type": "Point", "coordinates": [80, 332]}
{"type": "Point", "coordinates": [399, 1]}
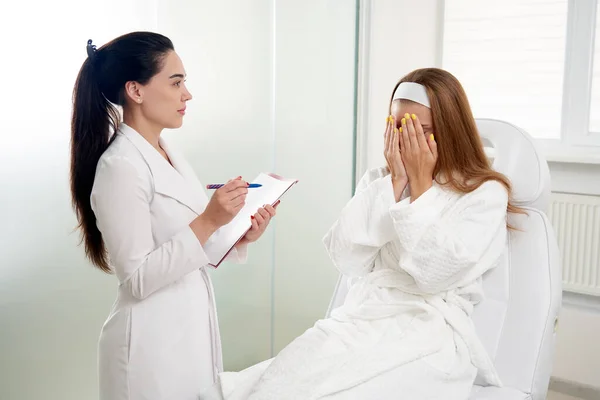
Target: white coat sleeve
{"type": "Point", "coordinates": [363, 227]}
{"type": "Point", "coordinates": [121, 202]}
{"type": "Point", "coordinates": [441, 246]}
{"type": "Point", "coordinates": [238, 255]}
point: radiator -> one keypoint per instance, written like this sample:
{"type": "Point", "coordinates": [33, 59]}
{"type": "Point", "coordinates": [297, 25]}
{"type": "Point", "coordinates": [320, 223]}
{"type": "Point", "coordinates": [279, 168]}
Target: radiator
{"type": "Point", "coordinates": [576, 221]}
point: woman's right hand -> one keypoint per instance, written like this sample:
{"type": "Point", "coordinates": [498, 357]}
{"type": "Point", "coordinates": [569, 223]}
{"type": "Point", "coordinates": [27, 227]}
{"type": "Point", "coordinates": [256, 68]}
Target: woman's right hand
{"type": "Point", "coordinates": [394, 159]}
{"type": "Point", "coordinates": [224, 205]}
{"type": "Point", "coordinates": [226, 202]}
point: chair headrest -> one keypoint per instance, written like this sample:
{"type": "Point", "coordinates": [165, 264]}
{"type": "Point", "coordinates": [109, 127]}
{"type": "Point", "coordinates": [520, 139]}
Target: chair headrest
{"type": "Point", "coordinates": [513, 153]}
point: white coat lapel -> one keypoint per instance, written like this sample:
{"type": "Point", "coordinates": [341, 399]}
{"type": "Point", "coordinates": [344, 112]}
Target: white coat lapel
{"type": "Point", "coordinates": [168, 181]}
{"type": "Point", "coordinates": [187, 172]}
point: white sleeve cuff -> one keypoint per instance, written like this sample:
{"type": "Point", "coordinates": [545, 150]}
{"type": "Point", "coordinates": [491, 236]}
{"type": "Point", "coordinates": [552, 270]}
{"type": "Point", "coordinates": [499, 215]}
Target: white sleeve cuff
{"type": "Point", "coordinates": [238, 254]}
{"type": "Point", "coordinates": [385, 188]}
{"type": "Point", "coordinates": [192, 246]}
{"type": "Point", "coordinates": [412, 219]}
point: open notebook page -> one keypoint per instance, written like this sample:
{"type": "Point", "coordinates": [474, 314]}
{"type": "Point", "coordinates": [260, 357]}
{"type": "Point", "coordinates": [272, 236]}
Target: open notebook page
{"type": "Point", "coordinates": [223, 240]}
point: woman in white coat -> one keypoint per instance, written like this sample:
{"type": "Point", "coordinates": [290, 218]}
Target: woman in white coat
{"type": "Point", "coordinates": [144, 216]}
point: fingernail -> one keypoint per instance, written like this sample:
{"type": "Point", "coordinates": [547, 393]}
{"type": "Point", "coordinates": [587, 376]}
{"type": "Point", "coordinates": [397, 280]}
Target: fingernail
{"type": "Point", "coordinates": [404, 120]}
{"type": "Point", "coordinates": [406, 116]}
{"type": "Point", "coordinates": [396, 130]}
{"type": "Point", "coordinates": [252, 217]}
{"type": "Point", "coordinates": [414, 116]}
{"type": "Point", "coordinates": [431, 137]}
{"type": "Point", "coordinates": [400, 129]}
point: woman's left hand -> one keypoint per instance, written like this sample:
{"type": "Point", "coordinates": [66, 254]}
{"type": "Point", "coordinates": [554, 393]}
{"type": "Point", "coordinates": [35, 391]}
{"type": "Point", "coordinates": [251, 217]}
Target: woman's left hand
{"type": "Point", "coordinates": [260, 221]}
{"type": "Point", "coordinates": [419, 155]}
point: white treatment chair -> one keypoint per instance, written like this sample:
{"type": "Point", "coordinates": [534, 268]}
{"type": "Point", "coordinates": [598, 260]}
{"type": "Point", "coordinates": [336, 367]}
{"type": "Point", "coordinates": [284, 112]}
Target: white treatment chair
{"type": "Point", "coordinates": [516, 321]}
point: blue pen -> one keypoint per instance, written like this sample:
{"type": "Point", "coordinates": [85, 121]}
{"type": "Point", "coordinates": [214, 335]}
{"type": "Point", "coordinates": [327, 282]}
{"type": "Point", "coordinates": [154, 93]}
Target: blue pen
{"type": "Point", "coordinates": [219, 185]}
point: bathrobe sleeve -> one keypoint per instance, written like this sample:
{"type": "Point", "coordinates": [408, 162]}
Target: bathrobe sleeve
{"type": "Point", "coordinates": [442, 245]}
{"type": "Point", "coordinates": [364, 225]}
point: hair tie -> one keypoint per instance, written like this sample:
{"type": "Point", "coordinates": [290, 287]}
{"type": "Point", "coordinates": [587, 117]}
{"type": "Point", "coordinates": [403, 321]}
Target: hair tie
{"type": "Point", "coordinates": [91, 50]}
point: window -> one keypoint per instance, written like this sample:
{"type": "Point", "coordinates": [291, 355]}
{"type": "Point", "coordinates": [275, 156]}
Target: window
{"type": "Point", "coordinates": [595, 97]}
{"type": "Point", "coordinates": [529, 62]}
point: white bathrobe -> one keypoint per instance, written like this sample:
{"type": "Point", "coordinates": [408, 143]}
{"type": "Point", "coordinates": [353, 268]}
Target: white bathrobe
{"type": "Point", "coordinates": [404, 331]}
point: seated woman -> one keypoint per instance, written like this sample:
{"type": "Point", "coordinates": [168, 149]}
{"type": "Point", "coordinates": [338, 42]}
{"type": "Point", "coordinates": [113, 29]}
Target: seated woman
{"type": "Point", "coordinates": [417, 237]}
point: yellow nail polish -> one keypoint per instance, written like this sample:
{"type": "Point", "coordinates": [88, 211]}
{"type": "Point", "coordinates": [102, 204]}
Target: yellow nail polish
{"type": "Point", "coordinates": [406, 116]}
{"type": "Point", "coordinates": [396, 130]}
{"type": "Point", "coordinates": [431, 137]}
{"type": "Point", "coordinates": [400, 129]}
{"type": "Point", "coordinates": [404, 121]}
{"type": "Point", "coordinates": [414, 117]}
{"type": "Point", "coordinates": [387, 120]}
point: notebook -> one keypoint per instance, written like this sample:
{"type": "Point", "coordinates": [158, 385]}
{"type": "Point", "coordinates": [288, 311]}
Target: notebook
{"type": "Point", "coordinates": [220, 244]}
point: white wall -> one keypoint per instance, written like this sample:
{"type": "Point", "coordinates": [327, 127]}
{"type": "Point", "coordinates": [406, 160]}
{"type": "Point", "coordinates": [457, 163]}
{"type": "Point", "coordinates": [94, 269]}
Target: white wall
{"type": "Point", "coordinates": [273, 91]}
{"type": "Point", "coordinates": [406, 35]}
{"type": "Point", "coordinates": [314, 109]}
{"type": "Point", "coordinates": [399, 42]}
{"type": "Point", "coordinates": [578, 348]}
{"type": "Point", "coordinates": [52, 303]}
{"type": "Point", "coordinates": [281, 99]}
{"type": "Point", "coordinates": [280, 75]}
{"type": "Point", "coordinates": [225, 47]}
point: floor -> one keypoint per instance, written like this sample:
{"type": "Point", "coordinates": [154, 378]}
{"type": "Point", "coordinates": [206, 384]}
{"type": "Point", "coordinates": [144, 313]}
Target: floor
{"type": "Point", "coordinates": [560, 396]}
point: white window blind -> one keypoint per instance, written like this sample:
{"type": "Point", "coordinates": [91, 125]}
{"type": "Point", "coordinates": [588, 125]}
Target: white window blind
{"type": "Point", "coordinates": [595, 98]}
{"type": "Point", "coordinates": [509, 56]}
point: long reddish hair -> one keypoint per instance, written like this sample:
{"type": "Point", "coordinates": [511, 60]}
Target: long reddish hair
{"type": "Point", "coordinates": [462, 162]}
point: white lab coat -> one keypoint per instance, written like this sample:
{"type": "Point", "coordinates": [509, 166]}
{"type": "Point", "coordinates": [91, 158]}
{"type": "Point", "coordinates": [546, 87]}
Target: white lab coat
{"type": "Point", "coordinates": [161, 340]}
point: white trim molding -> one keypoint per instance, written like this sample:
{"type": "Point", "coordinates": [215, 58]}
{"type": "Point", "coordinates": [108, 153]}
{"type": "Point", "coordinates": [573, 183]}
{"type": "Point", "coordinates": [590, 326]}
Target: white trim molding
{"type": "Point", "coordinates": [362, 88]}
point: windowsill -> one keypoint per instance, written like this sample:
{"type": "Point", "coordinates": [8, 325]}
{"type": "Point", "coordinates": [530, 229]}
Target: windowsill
{"type": "Point", "coordinates": [572, 158]}
{"type": "Point", "coordinates": [563, 153]}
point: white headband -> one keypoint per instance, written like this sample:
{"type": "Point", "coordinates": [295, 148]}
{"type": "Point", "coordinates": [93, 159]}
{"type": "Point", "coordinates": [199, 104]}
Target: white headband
{"type": "Point", "coordinates": [412, 91]}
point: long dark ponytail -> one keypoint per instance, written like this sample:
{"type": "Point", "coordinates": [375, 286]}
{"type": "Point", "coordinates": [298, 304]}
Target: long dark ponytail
{"type": "Point", "coordinates": [100, 85]}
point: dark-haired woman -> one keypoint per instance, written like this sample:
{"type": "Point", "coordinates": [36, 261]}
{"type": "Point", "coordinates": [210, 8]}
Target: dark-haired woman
{"type": "Point", "coordinates": [144, 216]}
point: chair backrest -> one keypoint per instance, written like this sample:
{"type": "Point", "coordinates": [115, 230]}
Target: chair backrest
{"type": "Point", "coordinates": [516, 320]}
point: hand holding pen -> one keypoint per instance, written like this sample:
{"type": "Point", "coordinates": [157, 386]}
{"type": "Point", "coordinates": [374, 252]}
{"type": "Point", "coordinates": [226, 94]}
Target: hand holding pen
{"type": "Point", "coordinates": [226, 202]}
